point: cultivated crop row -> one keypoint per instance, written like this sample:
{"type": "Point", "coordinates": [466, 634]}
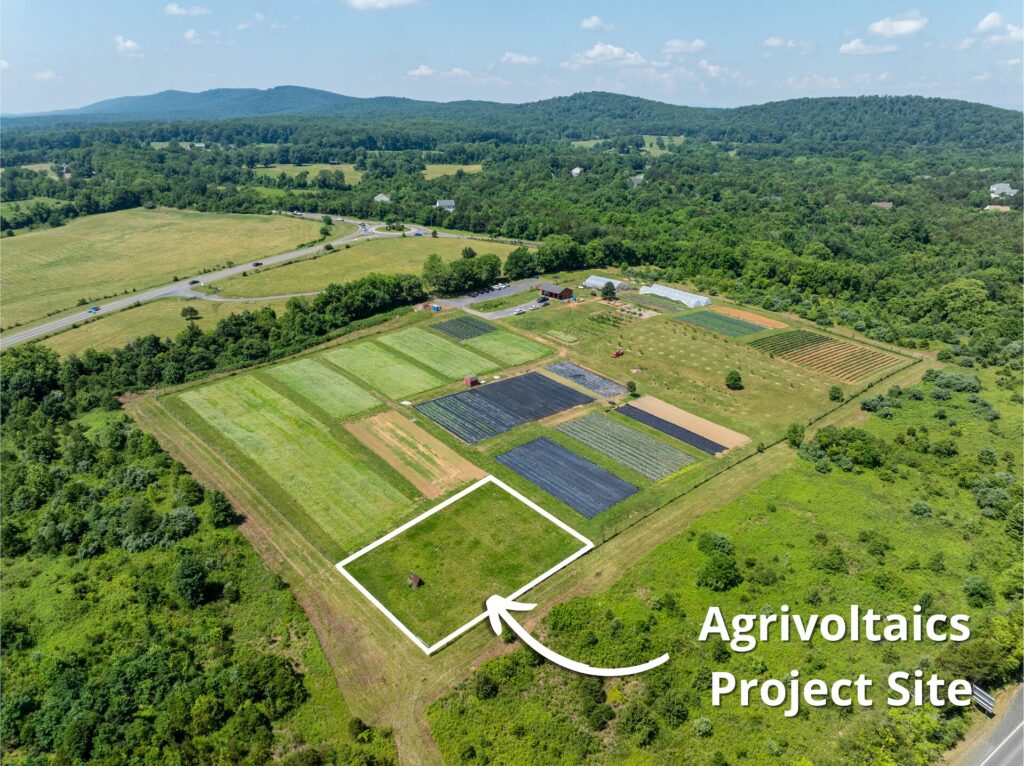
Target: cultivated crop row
{"type": "Point", "coordinates": [841, 360]}
{"type": "Point", "coordinates": [720, 323]}
{"type": "Point", "coordinates": [469, 417]}
{"type": "Point", "coordinates": [464, 327]}
{"type": "Point", "coordinates": [788, 341]}
{"type": "Point", "coordinates": [589, 380]}
{"type": "Point", "coordinates": [643, 453]}
{"type": "Point", "coordinates": [685, 435]}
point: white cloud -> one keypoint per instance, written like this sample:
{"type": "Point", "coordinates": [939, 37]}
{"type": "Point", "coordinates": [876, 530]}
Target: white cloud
{"type": "Point", "coordinates": [680, 47]}
{"type": "Point", "coordinates": [173, 9]}
{"type": "Point", "coordinates": [4, 65]}
{"type": "Point", "coordinates": [191, 36]}
{"type": "Point", "coordinates": [457, 72]}
{"type": "Point", "coordinates": [1007, 62]}
{"type": "Point", "coordinates": [992, 21]}
{"type": "Point", "coordinates": [376, 5]}
{"type": "Point", "coordinates": [899, 26]}
{"type": "Point", "coordinates": [858, 46]}
{"type": "Point", "coordinates": [779, 42]}
{"type": "Point", "coordinates": [47, 75]}
{"type": "Point", "coordinates": [127, 47]}
{"type": "Point", "coordinates": [421, 71]}
{"type": "Point", "coordinates": [812, 82]}
{"type": "Point", "coordinates": [774, 42]}
{"type": "Point", "coordinates": [257, 18]}
{"type": "Point", "coordinates": [720, 72]}
{"type": "Point", "coordinates": [1010, 34]}
{"type": "Point", "coordinates": [596, 24]}
{"type": "Point", "coordinates": [604, 53]}
{"type": "Point", "coordinates": [962, 45]}
{"type": "Point", "coordinates": [518, 58]}
{"type": "Point", "coordinates": [982, 77]}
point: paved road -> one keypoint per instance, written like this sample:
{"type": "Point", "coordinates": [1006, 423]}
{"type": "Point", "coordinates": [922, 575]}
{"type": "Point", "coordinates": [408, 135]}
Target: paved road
{"type": "Point", "coordinates": [181, 289]}
{"type": "Point", "coordinates": [1003, 743]}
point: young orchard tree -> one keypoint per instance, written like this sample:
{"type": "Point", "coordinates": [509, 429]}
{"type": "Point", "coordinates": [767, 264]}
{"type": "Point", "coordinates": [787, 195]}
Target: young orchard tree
{"type": "Point", "coordinates": [734, 381]}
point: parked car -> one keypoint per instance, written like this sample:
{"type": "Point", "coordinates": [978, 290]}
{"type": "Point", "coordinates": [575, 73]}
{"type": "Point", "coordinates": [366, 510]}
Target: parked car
{"type": "Point", "coordinates": [194, 282]}
{"type": "Point", "coordinates": [94, 309]}
{"type": "Point", "coordinates": [520, 311]}
{"type": "Point", "coordinates": [257, 264]}
{"type": "Point", "coordinates": [542, 299]}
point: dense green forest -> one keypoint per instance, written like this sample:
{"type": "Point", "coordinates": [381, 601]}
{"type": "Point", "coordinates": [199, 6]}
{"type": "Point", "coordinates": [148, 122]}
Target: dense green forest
{"type": "Point", "coordinates": [161, 633]}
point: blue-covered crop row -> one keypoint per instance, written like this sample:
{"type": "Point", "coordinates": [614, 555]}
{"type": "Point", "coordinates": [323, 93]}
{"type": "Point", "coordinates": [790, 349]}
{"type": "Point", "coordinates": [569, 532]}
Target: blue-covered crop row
{"type": "Point", "coordinates": [464, 327]}
{"type": "Point", "coordinates": [589, 380]}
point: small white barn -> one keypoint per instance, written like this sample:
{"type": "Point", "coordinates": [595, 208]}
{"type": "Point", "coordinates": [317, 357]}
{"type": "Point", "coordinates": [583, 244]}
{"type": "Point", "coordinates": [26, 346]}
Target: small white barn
{"type": "Point", "coordinates": [446, 204]}
{"type": "Point", "coordinates": [1001, 190]}
{"type": "Point", "coordinates": [576, 171]}
{"type": "Point", "coordinates": [382, 198]}
{"type": "Point", "coordinates": [595, 282]}
{"type": "Point", "coordinates": [690, 300]}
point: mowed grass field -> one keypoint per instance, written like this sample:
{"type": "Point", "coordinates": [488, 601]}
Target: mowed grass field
{"type": "Point", "coordinates": [337, 493]}
{"type": "Point", "coordinates": [444, 357]}
{"type": "Point", "coordinates": [382, 370]}
{"type": "Point", "coordinates": [321, 385]}
{"type": "Point", "coordinates": [393, 255]}
{"type": "Point", "coordinates": [485, 543]}
{"type": "Point", "coordinates": [352, 176]}
{"type": "Point", "coordinates": [161, 318]}
{"type": "Point", "coordinates": [508, 348]}
{"type": "Point", "coordinates": [91, 257]}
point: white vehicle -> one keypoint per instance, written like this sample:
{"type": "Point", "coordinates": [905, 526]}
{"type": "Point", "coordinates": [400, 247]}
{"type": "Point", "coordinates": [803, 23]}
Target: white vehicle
{"type": "Point", "coordinates": [520, 311]}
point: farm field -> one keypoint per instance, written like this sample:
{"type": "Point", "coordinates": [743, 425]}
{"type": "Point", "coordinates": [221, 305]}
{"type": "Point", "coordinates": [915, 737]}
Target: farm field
{"type": "Point", "coordinates": [464, 327]}
{"type": "Point", "coordinates": [323, 386]}
{"type": "Point", "coordinates": [748, 316]}
{"type": "Point", "coordinates": [161, 318]}
{"type": "Point", "coordinates": [352, 176]}
{"type": "Point", "coordinates": [430, 466]}
{"type": "Point", "coordinates": [495, 408]}
{"type": "Point", "coordinates": [586, 488]}
{"type": "Point", "coordinates": [687, 367]}
{"type": "Point", "coordinates": [645, 454]}
{"type": "Point", "coordinates": [508, 348]}
{"type": "Point", "coordinates": [671, 429]}
{"type": "Point", "coordinates": [486, 542]}
{"type": "Point", "coordinates": [446, 358]}
{"type": "Point", "coordinates": [438, 169]}
{"type": "Point", "coordinates": [382, 370]}
{"type": "Point", "coordinates": [713, 431]}
{"type": "Point", "coordinates": [100, 255]}
{"type": "Point", "coordinates": [848, 362]}
{"type": "Point", "coordinates": [729, 326]}
{"type": "Point", "coordinates": [573, 322]}
{"type": "Point", "coordinates": [391, 255]}
{"type": "Point", "coordinates": [334, 491]}
{"type": "Point", "coordinates": [589, 380]}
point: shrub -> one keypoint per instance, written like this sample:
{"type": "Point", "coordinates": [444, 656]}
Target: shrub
{"type": "Point", "coordinates": [920, 508]}
{"type": "Point", "coordinates": [720, 573]}
{"type": "Point", "coordinates": [835, 394]}
{"type": "Point", "coordinates": [978, 591]}
{"type": "Point", "coordinates": [221, 512]}
{"type": "Point", "coordinates": [795, 435]}
{"type": "Point", "coordinates": [638, 724]}
{"type": "Point", "coordinates": [187, 491]}
{"type": "Point", "coordinates": [734, 381]}
{"type": "Point", "coordinates": [715, 542]}
{"type": "Point", "coordinates": [702, 727]}
{"type": "Point", "coordinates": [189, 580]}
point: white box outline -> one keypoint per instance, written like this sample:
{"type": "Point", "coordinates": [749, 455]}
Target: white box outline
{"type": "Point", "coordinates": [340, 566]}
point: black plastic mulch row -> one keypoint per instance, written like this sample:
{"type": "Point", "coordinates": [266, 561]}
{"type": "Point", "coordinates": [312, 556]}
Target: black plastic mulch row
{"type": "Point", "coordinates": [676, 432]}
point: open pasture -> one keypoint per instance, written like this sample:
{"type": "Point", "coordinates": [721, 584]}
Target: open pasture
{"type": "Point", "coordinates": [845, 361]}
{"type": "Point", "coordinates": [508, 348]}
{"type": "Point", "coordinates": [729, 326]}
{"type": "Point", "coordinates": [323, 386]}
{"type": "Point", "coordinates": [334, 491]}
{"type": "Point", "coordinates": [352, 176]}
{"type": "Point", "coordinates": [464, 327]}
{"type": "Point", "coordinates": [645, 454]}
{"type": "Point", "coordinates": [107, 254]}
{"type": "Point", "coordinates": [584, 378]}
{"type": "Point", "coordinates": [447, 359]}
{"type": "Point", "coordinates": [438, 169]}
{"type": "Point", "coordinates": [492, 409]}
{"type": "Point", "coordinates": [430, 466]}
{"type": "Point", "coordinates": [586, 488]}
{"type": "Point", "coordinates": [486, 542]}
{"type": "Point", "coordinates": [386, 255]}
{"type": "Point", "coordinates": [382, 370]}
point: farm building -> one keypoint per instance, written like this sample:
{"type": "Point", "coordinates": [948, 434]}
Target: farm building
{"type": "Point", "coordinates": [447, 204]}
{"type": "Point", "coordinates": [594, 282]}
{"type": "Point", "coordinates": [382, 198]}
{"type": "Point", "coordinates": [1002, 190]}
{"type": "Point", "coordinates": [690, 300]}
{"type": "Point", "coordinates": [885, 205]}
{"type": "Point", "coordinates": [550, 290]}
{"type": "Point", "coordinates": [998, 208]}
{"type": "Point", "coordinates": [577, 172]}
{"type": "Point", "coordinates": [471, 380]}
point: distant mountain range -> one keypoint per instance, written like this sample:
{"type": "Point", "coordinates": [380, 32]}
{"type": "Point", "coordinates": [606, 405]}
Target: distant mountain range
{"type": "Point", "coordinates": [903, 119]}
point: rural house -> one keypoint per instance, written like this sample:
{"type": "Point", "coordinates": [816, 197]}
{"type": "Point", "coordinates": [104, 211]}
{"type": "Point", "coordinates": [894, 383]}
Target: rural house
{"type": "Point", "coordinates": [577, 171]}
{"type": "Point", "coordinates": [550, 290]}
{"type": "Point", "coordinates": [885, 205]}
{"type": "Point", "coordinates": [690, 300]}
{"type": "Point", "coordinates": [447, 204]}
{"type": "Point", "coordinates": [998, 208]}
{"type": "Point", "coordinates": [1002, 190]}
{"type": "Point", "coordinates": [382, 198]}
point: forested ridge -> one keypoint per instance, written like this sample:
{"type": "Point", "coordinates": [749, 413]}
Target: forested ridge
{"type": "Point", "coordinates": [146, 649]}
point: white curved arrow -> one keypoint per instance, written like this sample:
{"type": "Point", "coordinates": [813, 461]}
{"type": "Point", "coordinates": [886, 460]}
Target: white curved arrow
{"type": "Point", "coordinates": [498, 609]}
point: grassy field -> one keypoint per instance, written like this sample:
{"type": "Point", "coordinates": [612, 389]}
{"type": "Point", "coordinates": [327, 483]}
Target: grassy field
{"type": "Point", "coordinates": [436, 170]}
{"type": "Point", "coordinates": [396, 255]}
{"type": "Point", "coordinates": [161, 318]}
{"type": "Point", "coordinates": [339, 494]}
{"type": "Point", "coordinates": [352, 176]}
{"type": "Point", "coordinates": [686, 367]}
{"type": "Point", "coordinates": [102, 255]}
{"type": "Point", "coordinates": [324, 387]}
{"type": "Point", "coordinates": [446, 358]}
{"type": "Point", "coordinates": [484, 543]}
{"type": "Point", "coordinates": [508, 348]}
{"type": "Point", "coordinates": [383, 371]}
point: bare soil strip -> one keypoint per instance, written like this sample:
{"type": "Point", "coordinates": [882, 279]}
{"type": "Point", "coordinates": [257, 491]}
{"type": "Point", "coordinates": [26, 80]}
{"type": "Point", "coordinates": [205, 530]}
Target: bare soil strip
{"type": "Point", "coordinates": [750, 316]}
{"type": "Point", "coordinates": [716, 433]}
{"type": "Point", "coordinates": [429, 465]}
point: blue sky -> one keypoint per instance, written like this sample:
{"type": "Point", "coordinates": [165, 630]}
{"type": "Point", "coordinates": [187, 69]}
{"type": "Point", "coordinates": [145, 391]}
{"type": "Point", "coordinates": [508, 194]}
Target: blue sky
{"type": "Point", "coordinates": [64, 54]}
